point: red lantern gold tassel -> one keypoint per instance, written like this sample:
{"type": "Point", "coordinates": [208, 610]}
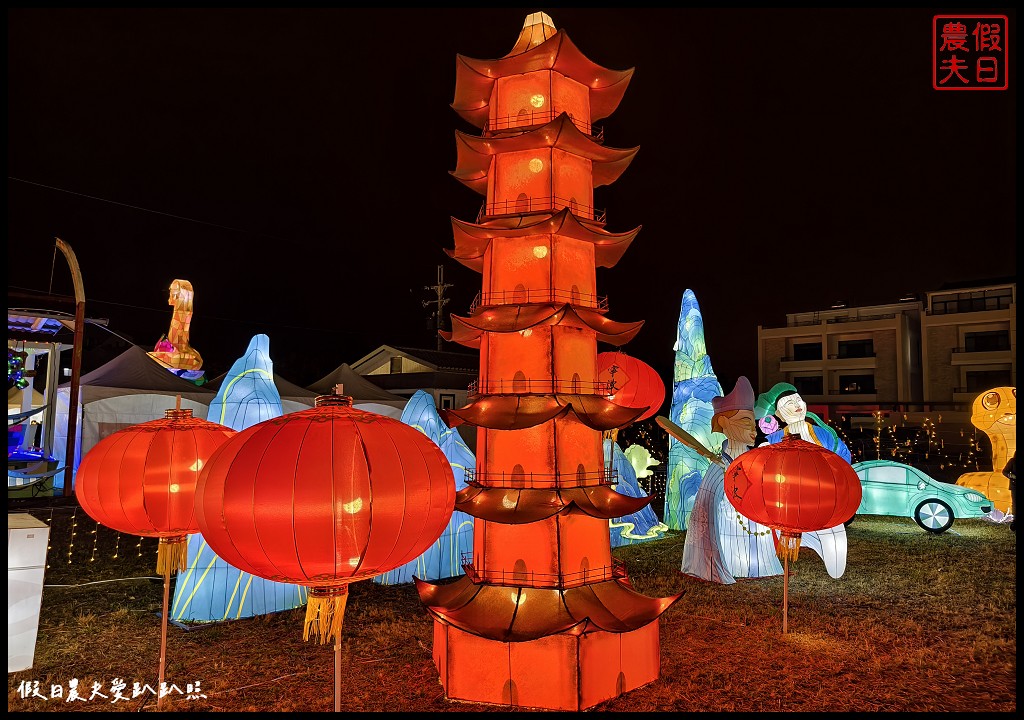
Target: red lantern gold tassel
{"type": "Point", "coordinates": [325, 613]}
{"type": "Point", "coordinates": [172, 555]}
{"type": "Point", "coordinates": [788, 546]}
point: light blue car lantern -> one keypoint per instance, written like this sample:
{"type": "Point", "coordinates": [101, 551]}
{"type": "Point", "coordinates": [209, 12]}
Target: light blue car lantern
{"type": "Point", "coordinates": [892, 488]}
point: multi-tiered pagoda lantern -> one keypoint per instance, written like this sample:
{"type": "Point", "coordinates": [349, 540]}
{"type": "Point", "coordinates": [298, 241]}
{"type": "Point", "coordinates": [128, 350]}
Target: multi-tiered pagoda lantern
{"type": "Point", "coordinates": [544, 617]}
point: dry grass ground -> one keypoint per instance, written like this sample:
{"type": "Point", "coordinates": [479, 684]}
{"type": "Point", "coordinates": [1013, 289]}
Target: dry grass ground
{"type": "Point", "coordinates": [918, 622]}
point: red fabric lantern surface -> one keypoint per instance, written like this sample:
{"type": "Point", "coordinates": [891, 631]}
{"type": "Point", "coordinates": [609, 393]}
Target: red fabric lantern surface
{"type": "Point", "coordinates": [142, 480]}
{"type": "Point", "coordinates": [636, 383]}
{"type": "Point", "coordinates": [323, 498]}
{"type": "Point", "coordinates": [793, 486]}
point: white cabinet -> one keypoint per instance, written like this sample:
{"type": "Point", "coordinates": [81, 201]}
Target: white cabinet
{"type": "Point", "coordinates": [27, 538]}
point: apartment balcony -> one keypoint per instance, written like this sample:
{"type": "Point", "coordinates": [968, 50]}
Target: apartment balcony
{"type": "Point", "coordinates": [966, 395]}
{"type": "Point", "coordinates": [542, 481]}
{"type": "Point", "coordinates": [529, 578]}
{"type": "Point", "coordinates": [834, 362]}
{"type": "Point", "coordinates": [789, 364]}
{"type": "Point", "coordinates": [539, 205]}
{"type": "Point", "coordinates": [547, 386]}
{"type": "Point", "coordinates": [545, 295]}
{"type": "Point", "coordinates": [963, 356]}
{"type": "Point", "coordinates": [860, 318]}
{"type": "Point", "coordinates": [530, 120]}
{"type": "Point", "coordinates": [861, 397]}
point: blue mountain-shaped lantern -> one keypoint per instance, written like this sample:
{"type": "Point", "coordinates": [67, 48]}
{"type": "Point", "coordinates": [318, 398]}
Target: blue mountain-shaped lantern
{"type": "Point", "coordinates": [211, 589]}
{"type": "Point", "coordinates": [693, 386]}
{"type": "Point", "coordinates": [443, 559]}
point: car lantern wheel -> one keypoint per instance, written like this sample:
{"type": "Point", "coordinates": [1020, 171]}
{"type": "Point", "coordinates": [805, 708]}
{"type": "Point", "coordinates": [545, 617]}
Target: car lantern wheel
{"type": "Point", "coordinates": [934, 516]}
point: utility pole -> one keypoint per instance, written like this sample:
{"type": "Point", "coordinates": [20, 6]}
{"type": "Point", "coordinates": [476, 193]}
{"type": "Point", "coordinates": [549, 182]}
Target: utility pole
{"type": "Point", "coordinates": [441, 301]}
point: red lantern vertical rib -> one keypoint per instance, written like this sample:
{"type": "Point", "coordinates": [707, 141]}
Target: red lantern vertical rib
{"type": "Point", "coordinates": [389, 504]}
{"type": "Point", "coordinates": [275, 483]}
{"type": "Point", "coordinates": [229, 480]}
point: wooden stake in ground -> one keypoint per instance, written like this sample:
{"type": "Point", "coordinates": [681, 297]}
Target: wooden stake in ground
{"type": "Point", "coordinates": [785, 595]}
{"type": "Point", "coordinates": [163, 636]}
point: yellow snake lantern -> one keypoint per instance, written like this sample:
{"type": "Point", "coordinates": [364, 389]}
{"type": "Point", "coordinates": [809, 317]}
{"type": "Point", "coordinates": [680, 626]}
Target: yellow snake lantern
{"type": "Point", "coordinates": [995, 413]}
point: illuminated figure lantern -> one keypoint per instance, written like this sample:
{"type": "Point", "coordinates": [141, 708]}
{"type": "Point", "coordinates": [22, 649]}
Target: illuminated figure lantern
{"type": "Point", "coordinates": [544, 617]}
{"type": "Point", "coordinates": [323, 498]}
{"type": "Point", "coordinates": [173, 350]}
{"type": "Point", "coordinates": [142, 481]}
{"type": "Point", "coordinates": [995, 413]}
{"type": "Point", "coordinates": [794, 487]}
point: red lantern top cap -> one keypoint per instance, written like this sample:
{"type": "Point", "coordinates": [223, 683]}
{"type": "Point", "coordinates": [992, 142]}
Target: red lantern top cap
{"type": "Point", "coordinates": [332, 401]}
{"type": "Point", "coordinates": [178, 414]}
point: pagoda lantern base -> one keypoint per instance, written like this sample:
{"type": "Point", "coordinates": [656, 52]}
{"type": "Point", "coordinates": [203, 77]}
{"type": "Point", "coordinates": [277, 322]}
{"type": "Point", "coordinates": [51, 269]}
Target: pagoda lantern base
{"type": "Point", "coordinates": [564, 671]}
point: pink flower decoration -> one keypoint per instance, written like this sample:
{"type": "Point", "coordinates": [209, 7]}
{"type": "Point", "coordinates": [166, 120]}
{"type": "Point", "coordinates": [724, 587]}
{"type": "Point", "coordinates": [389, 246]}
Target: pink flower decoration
{"type": "Point", "coordinates": [768, 424]}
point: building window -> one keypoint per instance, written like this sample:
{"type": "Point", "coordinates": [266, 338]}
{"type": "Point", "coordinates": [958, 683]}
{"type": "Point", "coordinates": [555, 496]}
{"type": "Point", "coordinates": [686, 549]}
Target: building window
{"type": "Point", "coordinates": [982, 380]}
{"type": "Point", "coordinates": [807, 351]}
{"type": "Point", "coordinates": [989, 341]}
{"type": "Point", "coordinates": [978, 301]}
{"type": "Point", "coordinates": [856, 384]}
{"type": "Point", "coordinates": [396, 365]}
{"type": "Point", "coordinates": [856, 349]}
{"type": "Point", "coordinates": [810, 385]}
{"type": "Point", "coordinates": [447, 401]}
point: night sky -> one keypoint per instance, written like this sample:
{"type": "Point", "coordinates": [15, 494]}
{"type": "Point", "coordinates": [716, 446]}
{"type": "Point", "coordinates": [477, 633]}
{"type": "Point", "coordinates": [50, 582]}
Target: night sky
{"type": "Point", "coordinates": [294, 166]}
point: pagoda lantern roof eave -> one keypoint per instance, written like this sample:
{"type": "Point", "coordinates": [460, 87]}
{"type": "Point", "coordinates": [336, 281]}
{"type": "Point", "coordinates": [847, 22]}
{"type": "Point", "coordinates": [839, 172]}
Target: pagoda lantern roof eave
{"type": "Point", "coordinates": [474, 152]}
{"type": "Point", "coordinates": [475, 78]}
{"type": "Point", "coordinates": [513, 318]}
{"type": "Point", "coordinates": [563, 222]}
{"type": "Point", "coordinates": [560, 133]}
{"type": "Point", "coordinates": [495, 612]}
{"type": "Point", "coordinates": [471, 239]}
{"type": "Point", "coordinates": [534, 504]}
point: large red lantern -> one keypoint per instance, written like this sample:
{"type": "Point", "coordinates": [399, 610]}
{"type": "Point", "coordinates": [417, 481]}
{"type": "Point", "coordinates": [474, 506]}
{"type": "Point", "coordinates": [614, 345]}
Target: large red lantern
{"type": "Point", "coordinates": [142, 480]}
{"type": "Point", "coordinates": [792, 486]}
{"type": "Point", "coordinates": [323, 498]}
{"type": "Point", "coordinates": [636, 384]}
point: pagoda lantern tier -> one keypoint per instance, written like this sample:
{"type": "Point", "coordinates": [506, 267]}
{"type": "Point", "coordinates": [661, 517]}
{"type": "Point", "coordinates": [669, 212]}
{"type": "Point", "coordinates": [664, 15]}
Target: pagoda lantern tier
{"type": "Point", "coordinates": [544, 617]}
{"type": "Point", "coordinates": [516, 506]}
{"type": "Point", "coordinates": [544, 75]}
{"type": "Point", "coordinates": [541, 171]}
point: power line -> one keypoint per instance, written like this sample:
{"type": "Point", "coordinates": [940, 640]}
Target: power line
{"type": "Point", "coordinates": [149, 210]}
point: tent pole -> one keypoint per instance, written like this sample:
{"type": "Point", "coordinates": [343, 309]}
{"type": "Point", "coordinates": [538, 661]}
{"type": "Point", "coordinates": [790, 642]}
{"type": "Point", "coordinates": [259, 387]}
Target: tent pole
{"type": "Point", "coordinates": [76, 367]}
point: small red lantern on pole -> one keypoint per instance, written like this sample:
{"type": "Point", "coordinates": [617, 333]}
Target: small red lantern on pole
{"type": "Point", "coordinates": [634, 382]}
{"type": "Point", "coordinates": [794, 487]}
{"type": "Point", "coordinates": [142, 481]}
{"type": "Point", "coordinates": [323, 498]}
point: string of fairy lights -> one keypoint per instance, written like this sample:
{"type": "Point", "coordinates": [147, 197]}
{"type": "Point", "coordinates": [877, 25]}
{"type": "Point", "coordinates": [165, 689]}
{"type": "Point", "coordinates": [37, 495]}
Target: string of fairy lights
{"type": "Point", "coordinates": [95, 552]}
{"type": "Point", "coordinates": [944, 451]}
